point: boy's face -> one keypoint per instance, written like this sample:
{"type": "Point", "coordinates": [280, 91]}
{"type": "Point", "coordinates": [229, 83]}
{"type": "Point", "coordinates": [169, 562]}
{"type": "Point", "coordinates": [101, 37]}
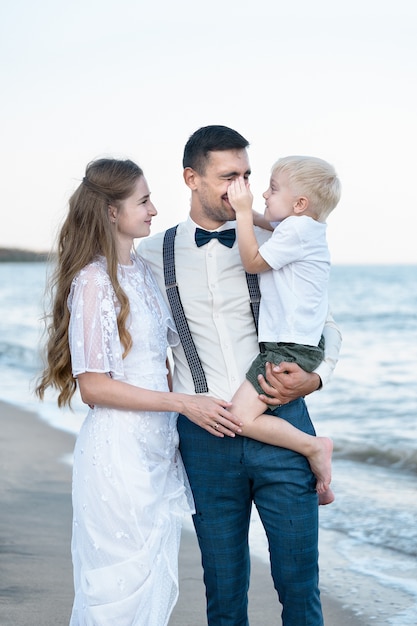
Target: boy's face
{"type": "Point", "coordinates": [280, 201]}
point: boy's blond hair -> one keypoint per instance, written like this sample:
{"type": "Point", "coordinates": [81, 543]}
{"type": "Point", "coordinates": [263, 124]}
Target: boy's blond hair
{"type": "Point", "coordinates": [313, 178]}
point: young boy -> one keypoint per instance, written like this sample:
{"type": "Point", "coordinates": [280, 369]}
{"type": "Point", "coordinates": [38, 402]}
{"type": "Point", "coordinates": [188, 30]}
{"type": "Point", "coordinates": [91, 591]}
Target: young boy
{"type": "Point", "coordinates": [294, 265]}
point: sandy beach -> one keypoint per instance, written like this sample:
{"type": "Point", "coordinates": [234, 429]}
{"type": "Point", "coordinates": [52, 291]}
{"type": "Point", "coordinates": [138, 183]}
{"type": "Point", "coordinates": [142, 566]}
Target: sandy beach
{"type": "Point", "coordinates": [35, 532]}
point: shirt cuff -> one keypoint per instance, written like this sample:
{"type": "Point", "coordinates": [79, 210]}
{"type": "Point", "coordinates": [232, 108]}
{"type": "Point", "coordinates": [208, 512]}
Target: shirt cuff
{"type": "Point", "coordinates": [325, 372]}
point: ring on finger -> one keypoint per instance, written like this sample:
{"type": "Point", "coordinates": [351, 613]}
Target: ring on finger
{"type": "Point", "coordinates": [216, 425]}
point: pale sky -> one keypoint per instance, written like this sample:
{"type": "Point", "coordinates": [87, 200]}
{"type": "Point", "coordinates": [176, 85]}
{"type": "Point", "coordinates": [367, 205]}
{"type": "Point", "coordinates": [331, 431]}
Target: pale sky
{"type": "Point", "coordinates": [82, 79]}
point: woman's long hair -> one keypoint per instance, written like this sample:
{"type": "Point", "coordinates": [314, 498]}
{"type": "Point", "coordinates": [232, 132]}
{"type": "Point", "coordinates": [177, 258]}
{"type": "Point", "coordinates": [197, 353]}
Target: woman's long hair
{"type": "Point", "coordinates": [85, 235]}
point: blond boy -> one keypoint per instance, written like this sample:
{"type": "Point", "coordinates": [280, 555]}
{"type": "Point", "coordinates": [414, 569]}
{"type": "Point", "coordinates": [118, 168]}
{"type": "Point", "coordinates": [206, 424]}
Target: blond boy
{"type": "Point", "coordinates": [294, 265]}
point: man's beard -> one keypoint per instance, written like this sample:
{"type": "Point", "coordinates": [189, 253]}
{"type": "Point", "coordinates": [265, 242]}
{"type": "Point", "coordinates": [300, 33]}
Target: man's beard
{"type": "Point", "coordinates": [221, 213]}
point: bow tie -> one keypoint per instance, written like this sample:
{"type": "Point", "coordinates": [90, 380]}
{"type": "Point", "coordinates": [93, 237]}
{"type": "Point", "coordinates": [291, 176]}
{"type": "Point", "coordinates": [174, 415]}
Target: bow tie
{"type": "Point", "coordinates": [226, 237]}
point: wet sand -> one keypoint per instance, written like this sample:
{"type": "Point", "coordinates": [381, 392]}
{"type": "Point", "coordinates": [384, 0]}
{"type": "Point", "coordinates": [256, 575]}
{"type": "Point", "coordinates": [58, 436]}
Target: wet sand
{"type": "Point", "coordinates": [35, 533]}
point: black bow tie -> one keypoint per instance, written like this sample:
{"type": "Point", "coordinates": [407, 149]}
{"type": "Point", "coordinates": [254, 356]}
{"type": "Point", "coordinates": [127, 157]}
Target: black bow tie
{"type": "Point", "coordinates": [226, 237]}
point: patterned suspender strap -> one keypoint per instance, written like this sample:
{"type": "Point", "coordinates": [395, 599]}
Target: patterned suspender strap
{"type": "Point", "coordinates": [255, 296]}
{"type": "Point", "coordinates": [197, 372]}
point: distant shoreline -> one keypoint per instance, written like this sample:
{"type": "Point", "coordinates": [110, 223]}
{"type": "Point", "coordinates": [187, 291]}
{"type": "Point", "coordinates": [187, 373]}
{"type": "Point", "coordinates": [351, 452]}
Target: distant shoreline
{"type": "Point", "coordinates": [16, 255]}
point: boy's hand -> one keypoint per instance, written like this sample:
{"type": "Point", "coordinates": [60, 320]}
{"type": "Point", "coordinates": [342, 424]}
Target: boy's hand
{"type": "Point", "coordinates": [240, 196]}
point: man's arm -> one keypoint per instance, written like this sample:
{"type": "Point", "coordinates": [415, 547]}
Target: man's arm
{"type": "Point", "coordinates": [332, 345]}
{"type": "Point", "coordinates": [261, 222]}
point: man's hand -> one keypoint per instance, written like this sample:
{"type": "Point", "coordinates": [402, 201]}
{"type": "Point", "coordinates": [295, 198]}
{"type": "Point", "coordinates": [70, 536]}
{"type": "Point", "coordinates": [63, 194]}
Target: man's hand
{"type": "Point", "coordinates": [286, 382]}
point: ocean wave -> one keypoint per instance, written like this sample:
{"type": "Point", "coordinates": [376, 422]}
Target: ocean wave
{"type": "Point", "coordinates": [374, 505]}
{"type": "Point", "coordinates": [403, 456]}
{"type": "Point", "coordinates": [18, 356]}
{"type": "Point", "coordinates": [382, 320]}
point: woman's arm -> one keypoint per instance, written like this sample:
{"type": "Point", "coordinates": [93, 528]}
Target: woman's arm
{"type": "Point", "coordinates": [209, 413]}
{"type": "Point", "coordinates": [169, 374]}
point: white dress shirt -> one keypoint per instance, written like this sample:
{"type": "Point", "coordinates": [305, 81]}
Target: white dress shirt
{"type": "Point", "coordinates": [215, 297]}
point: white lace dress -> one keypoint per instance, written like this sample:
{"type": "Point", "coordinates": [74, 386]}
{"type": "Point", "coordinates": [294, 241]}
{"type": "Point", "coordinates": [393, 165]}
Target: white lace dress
{"type": "Point", "coordinates": [130, 490]}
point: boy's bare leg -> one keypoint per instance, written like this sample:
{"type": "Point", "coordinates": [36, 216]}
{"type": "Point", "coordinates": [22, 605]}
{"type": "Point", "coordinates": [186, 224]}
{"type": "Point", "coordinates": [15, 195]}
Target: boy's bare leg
{"type": "Point", "coordinates": [278, 432]}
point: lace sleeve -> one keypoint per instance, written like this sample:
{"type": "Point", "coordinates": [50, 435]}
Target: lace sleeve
{"type": "Point", "coordinates": [93, 335]}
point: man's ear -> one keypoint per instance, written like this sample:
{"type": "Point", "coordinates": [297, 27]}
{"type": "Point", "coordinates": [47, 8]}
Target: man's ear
{"type": "Point", "coordinates": [301, 205]}
{"type": "Point", "coordinates": [190, 178]}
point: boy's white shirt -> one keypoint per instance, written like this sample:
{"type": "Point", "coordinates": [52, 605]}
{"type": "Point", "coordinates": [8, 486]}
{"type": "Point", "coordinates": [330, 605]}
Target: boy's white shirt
{"type": "Point", "coordinates": [294, 303]}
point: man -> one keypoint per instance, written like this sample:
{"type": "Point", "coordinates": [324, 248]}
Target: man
{"type": "Point", "coordinates": [228, 474]}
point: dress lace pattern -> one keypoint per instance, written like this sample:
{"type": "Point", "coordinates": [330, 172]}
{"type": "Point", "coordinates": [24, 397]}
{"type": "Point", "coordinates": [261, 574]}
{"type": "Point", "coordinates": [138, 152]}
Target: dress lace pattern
{"type": "Point", "coordinates": [130, 489]}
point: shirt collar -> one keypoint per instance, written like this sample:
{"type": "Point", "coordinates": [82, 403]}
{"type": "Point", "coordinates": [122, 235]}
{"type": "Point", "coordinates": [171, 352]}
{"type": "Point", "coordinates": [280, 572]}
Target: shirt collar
{"type": "Point", "coordinates": [191, 226]}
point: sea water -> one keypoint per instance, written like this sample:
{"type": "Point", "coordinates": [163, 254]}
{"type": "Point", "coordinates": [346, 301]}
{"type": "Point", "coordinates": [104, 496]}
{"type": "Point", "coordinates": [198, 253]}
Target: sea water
{"type": "Point", "coordinates": [368, 536]}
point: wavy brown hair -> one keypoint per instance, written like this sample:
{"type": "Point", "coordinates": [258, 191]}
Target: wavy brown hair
{"type": "Point", "coordinates": [85, 235]}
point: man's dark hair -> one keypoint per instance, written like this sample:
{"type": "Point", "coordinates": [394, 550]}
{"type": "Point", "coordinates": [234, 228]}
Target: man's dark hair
{"type": "Point", "coordinates": [210, 139]}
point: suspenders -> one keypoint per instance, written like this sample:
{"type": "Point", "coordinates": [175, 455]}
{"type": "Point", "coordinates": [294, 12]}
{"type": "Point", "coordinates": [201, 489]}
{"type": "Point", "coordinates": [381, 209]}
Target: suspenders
{"type": "Point", "coordinates": [197, 372]}
{"type": "Point", "coordinates": [255, 296]}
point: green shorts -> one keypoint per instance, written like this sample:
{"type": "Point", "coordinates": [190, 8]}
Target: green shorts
{"type": "Point", "coordinates": [307, 357]}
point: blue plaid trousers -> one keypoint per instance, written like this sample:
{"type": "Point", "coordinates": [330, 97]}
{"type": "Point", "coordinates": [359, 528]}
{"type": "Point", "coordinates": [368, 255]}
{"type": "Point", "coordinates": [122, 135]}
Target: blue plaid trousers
{"type": "Point", "coordinates": [226, 476]}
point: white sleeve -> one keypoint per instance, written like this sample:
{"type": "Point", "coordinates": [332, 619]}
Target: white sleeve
{"type": "Point", "coordinates": [93, 334]}
{"type": "Point", "coordinates": [333, 342]}
{"type": "Point", "coordinates": [283, 247]}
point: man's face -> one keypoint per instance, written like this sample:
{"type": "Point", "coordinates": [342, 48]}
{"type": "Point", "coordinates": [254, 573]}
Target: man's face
{"type": "Point", "coordinates": [210, 203]}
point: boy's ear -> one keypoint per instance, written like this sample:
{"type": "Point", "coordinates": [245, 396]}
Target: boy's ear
{"type": "Point", "coordinates": [301, 205]}
{"type": "Point", "coordinates": [190, 178]}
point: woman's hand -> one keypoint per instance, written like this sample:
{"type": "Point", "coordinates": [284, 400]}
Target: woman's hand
{"type": "Point", "coordinates": [211, 414]}
{"type": "Point", "coordinates": [286, 382]}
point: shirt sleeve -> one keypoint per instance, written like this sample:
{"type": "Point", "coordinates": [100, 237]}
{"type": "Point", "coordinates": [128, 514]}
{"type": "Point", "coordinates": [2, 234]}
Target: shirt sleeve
{"type": "Point", "coordinates": [93, 334]}
{"type": "Point", "coordinates": [283, 247]}
{"type": "Point", "coordinates": [333, 342]}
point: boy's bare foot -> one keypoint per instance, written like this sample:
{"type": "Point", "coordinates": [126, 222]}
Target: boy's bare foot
{"type": "Point", "coordinates": [327, 497]}
{"type": "Point", "coordinates": [321, 463]}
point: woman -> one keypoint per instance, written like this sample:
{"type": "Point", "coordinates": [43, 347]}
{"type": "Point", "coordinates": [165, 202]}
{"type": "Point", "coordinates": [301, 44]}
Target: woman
{"type": "Point", "coordinates": [109, 331]}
